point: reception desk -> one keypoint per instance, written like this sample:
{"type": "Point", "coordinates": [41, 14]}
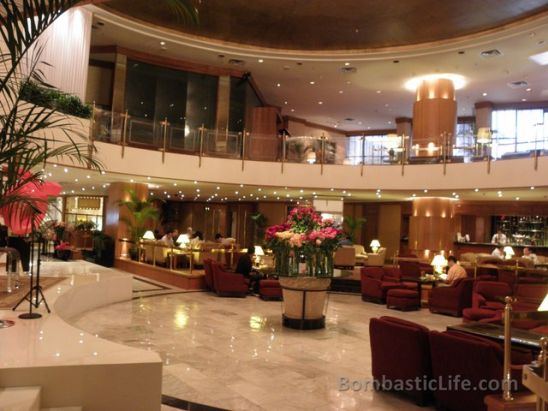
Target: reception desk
{"type": "Point", "coordinates": [461, 248]}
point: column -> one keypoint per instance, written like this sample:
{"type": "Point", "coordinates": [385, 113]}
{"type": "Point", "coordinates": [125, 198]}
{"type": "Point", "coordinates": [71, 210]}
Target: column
{"type": "Point", "coordinates": [119, 84]}
{"type": "Point", "coordinates": [264, 143]}
{"type": "Point", "coordinates": [434, 116]}
{"type": "Point", "coordinates": [484, 110]}
{"type": "Point", "coordinates": [432, 226]}
{"type": "Point", "coordinates": [114, 224]}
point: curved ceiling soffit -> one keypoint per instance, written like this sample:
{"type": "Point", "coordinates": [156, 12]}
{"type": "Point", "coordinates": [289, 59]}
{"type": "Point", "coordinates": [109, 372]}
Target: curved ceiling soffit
{"type": "Point", "coordinates": [500, 33]}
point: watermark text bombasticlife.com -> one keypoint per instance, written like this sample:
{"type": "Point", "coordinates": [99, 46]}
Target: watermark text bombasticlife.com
{"type": "Point", "coordinates": [448, 383]}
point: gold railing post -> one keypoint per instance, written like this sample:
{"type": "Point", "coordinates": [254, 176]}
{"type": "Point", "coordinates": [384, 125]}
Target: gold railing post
{"type": "Point", "coordinates": [541, 361]}
{"type": "Point", "coordinates": [283, 150]}
{"type": "Point", "coordinates": [201, 145]}
{"type": "Point", "coordinates": [322, 140]}
{"type": "Point", "coordinates": [244, 135]}
{"type": "Point", "coordinates": [125, 117]}
{"type": "Point", "coordinates": [363, 155]}
{"type": "Point", "coordinates": [507, 374]}
{"type": "Point", "coordinates": [403, 154]}
{"type": "Point", "coordinates": [91, 134]}
{"type": "Point", "coordinates": [164, 138]}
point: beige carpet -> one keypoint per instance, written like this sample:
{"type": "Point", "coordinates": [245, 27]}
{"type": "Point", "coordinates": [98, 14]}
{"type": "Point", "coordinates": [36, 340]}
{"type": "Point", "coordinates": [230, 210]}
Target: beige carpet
{"type": "Point", "coordinates": [8, 300]}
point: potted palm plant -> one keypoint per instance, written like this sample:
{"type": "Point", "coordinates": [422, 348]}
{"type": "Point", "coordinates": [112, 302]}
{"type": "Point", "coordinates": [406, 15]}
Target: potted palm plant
{"type": "Point", "coordinates": [303, 249]}
{"type": "Point", "coordinates": [142, 212]}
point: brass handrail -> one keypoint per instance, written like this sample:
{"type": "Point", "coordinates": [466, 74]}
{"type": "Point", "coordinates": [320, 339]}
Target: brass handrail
{"type": "Point", "coordinates": [164, 125]}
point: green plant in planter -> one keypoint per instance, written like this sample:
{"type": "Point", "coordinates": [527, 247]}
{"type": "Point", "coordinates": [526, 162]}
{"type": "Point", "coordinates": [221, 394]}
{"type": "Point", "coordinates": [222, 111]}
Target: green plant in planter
{"type": "Point", "coordinates": [142, 212]}
{"type": "Point", "coordinates": [353, 224]}
{"type": "Point", "coordinates": [85, 226]}
{"type": "Point", "coordinates": [260, 221]}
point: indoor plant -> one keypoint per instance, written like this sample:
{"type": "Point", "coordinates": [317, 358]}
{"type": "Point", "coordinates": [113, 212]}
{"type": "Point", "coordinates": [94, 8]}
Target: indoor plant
{"type": "Point", "coordinates": [303, 248]}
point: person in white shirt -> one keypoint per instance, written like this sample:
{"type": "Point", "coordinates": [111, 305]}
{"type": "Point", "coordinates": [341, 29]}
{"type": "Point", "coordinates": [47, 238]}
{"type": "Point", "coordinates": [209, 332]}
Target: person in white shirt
{"type": "Point", "coordinates": [527, 253]}
{"type": "Point", "coordinates": [499, 238]}
{"type": "Point", "coordinates": [497, 252]}
{"type": "Point", "coordinates": [169, 236]}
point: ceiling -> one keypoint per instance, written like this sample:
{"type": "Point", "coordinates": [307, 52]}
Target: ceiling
{"type": "Point", "coordinates": [329, 25]}
{"type": "Point", "coordinates": [366, 87]}
{"type": "Point", "coordinates": [81, 181]}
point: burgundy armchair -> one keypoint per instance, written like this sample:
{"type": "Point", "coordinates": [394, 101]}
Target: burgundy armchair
{"type": "Point", "coordinates": [471, 358]}
{"type": "Point", "coordinates": [375, 284]}
{"type": "Point", "coordinates": [208, 276]}
{"type": "Point", "coordinates": [490, 295]}
{"type": "Point", "coordinates": [228, 284]}
{"type": "Point", "coordinates": [400, 350]}
{"type": "Point", "coordinates": [453, 299]}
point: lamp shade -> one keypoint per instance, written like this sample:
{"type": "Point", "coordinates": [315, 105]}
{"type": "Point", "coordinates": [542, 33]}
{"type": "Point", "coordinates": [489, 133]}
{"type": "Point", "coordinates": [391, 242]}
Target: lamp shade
{"type": "Point", "coordinates": [259, 250]}
{"type": "Point", "coordinates": [149, 235]}
{"type": "Point", "coordinates": [375, 243]}
{"type": "Point", "coordinates": [183, 239]}
{"type": "Point", "coordinates": [439, 261]}
{"type": "Point", "coordinates": [544, 305]}
{"type": "Point", "coordinates": [484, 135]}
{"type": "Point", "coordinates": [508, 251]}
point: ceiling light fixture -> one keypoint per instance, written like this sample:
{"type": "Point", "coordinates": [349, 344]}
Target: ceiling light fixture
{"type": "Point", "coordinates": [458, 80]}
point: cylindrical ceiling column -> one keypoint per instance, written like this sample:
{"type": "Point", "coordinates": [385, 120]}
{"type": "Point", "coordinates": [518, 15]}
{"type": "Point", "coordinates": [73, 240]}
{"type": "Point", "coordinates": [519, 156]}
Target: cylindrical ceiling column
{"type": "Point", "coordinates": [434, 116]}
{"type": "Point", "coordinates": [432, 225]}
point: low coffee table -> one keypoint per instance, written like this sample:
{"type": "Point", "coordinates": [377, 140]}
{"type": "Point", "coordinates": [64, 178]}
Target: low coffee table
{"type": "Point", "coordinates": [496, 332]}
{"type": "Point", "coordinates": [424, 287]}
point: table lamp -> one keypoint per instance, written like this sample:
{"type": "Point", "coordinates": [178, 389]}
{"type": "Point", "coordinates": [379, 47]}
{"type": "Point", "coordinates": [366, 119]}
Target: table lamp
{"type": "Point", "coordinates": [183, 240]}
{"type": "Point", "coordinates": [149, 235]}
{"type": "Point", "coordinates": [439, 262]}
{"type": "Point", "coordinates": [484, 135]}
{"type": "Point", "coordinates": [508, 252]}
{"type": "Point", "coordinates": [259, 253]}
{"type": "Point", "coordinates": [375, 245]}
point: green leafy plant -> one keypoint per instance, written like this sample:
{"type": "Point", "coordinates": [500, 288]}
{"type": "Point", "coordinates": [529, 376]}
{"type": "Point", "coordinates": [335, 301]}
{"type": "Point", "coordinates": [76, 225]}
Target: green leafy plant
{"type": "Point", "coordinates": [260, 222]}
{"type": "Point", "coordinates": [85, 226]}
{"type": "Point", "coordinates": [352, 225]}
{"type": "Point", "coordinates": [142, 213]}
{"type": "Point", "coordinates": [55, 99]}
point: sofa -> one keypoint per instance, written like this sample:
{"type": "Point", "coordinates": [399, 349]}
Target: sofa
{"type": "Point", "coordinates": [376, 259]}
{"type": "Point", "coordinates": [400, 350]}
{"type": "Point", "coordinates": [376, 281]}
{"type": "Point", "coordinates": [453, 299]}
{"type": "Point", "coordinates": [345, 257]}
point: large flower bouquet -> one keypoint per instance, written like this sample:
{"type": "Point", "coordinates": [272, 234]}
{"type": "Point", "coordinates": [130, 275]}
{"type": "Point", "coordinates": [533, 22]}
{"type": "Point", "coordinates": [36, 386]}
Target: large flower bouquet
{"type": "Point", "coordinates": [304, 244]}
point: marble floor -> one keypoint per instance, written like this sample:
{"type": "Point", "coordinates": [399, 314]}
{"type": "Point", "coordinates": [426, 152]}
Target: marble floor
{"type": "Point", "coordinates": [235, 354]}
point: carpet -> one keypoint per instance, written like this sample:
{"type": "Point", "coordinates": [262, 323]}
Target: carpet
{"type": "Point", "coordinates": [8, 300]}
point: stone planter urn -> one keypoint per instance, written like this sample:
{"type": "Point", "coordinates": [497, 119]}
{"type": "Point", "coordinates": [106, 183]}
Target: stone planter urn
{"type": "Point", "coordinates": [304, 302]}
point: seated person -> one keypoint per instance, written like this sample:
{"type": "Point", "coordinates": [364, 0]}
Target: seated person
{"type": "Point", "coordinates": [530, 255]}
{"type": "Point", "coordinates": [497, 252]}
{"type": "Point", "coordinates": [245, 267]}
{"type": "Point", "coordinates": [170, 236]}
{"type": "Point", "coordinates": [219, 238]}
{"type": "Point", "coordinates": [196, 240]}
{"type": "Point", "coordinates": [455, 272]}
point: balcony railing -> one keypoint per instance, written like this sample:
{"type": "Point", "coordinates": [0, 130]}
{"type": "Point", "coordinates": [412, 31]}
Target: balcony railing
{"type": "Point", "coordinates": [163, 136]}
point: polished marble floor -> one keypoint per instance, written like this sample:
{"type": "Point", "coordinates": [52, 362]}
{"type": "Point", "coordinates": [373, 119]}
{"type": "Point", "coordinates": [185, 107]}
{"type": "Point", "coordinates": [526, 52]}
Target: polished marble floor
{"type": "Point", "coordinates": [235, 354]}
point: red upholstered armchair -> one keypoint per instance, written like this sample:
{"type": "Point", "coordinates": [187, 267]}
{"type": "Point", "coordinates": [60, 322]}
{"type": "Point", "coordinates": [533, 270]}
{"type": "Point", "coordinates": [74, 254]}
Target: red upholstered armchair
{"type": "Point", "coordinates": [228, 284]}
{"type": "Point", "coordinates": [400, 350]}
{"type": "Point", "coordinates": [375, 284]}
{"type": "Point", "coordinates": [208, 277]}
{"type": "Point", "coordinates": [452, 300]}
{"type": "Point", "coordinates": [471, 358]}
{"type": "Point", "coordinates": [490, 294]}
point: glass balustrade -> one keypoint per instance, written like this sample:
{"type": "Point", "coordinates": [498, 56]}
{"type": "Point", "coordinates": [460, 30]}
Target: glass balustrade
{"type": "Point", "coordinates": [125, 130]}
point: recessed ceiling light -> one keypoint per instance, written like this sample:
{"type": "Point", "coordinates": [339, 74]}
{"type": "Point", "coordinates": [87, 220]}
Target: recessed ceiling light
{"type": "Point", "coordinates": [195, 182]}
{"type": "Point", "coordinates": [260, 60]}
{"type": "Point", "coordinates": [476, 190]}
{"type": "Point", "coordinates": [320, 102]}
{"type": "Point", "coordinates": [528, 89]}
{"type": "Point", "coordinates": [540, 58]}
{"type": "Point", "coordinates": [65, 170]}
{"type": "Point", "coordinates": [425, 190]}
{"type": "Point", "coordinates": [517, 198]}
{"type": "Point", "coordinates": [162, 43]}
{"type": "Point", "coordinates": [484, 94]}
{"type": "Point", "coordinates": [413, 195]}
{"type": "Point", "coordinates": [278, 85]}
{"type": "Point", "coordinates": [285, 102]}
{"type": "Point", "coordinates": [532, 187]}
{"type": "Point", "coordinates": [241, 185]}
{"type": "Point", "coordinates": [523, 99]}
{"type": "Point", "coordinates": [347, 63]}
{"type": "Point", "coordinates": [218, 188]}
{"type": "Point", "coordinates": [312, 82]}
{"type": "Point", "coordinates": [379, 91]}
{"type": "Point", "coordinates": [292, 110]}
{"type": "Point", "coordinates": [340, 91]}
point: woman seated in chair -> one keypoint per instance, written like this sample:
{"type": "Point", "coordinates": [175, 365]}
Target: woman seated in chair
{"type": "Point", "coordinates": [245, 267]}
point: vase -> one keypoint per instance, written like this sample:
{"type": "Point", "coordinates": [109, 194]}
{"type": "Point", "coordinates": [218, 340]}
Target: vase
{"type": "Point", "coordinates": [304, 302]}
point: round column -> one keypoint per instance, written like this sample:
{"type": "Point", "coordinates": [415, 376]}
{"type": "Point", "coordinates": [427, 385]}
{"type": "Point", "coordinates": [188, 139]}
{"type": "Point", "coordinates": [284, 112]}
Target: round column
{"type": "Point", "coordinates": [432, 226]}
{"type": "Point", "coordinates": [434, 117]}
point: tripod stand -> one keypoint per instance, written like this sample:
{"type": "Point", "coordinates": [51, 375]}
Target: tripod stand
{"type": "Point", "coordinates": [35, 288]}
